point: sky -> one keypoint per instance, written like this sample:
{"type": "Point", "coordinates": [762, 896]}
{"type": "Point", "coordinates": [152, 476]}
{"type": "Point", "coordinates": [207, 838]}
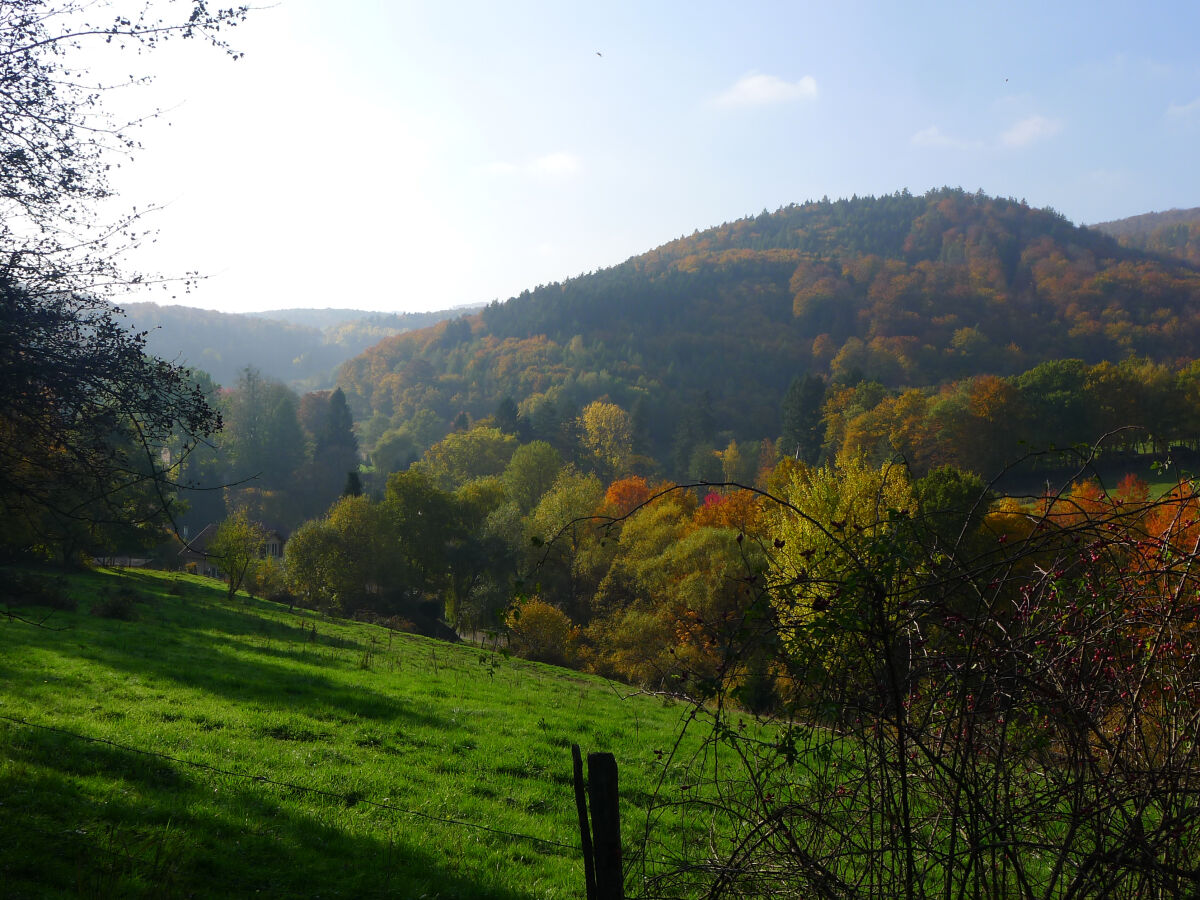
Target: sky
{"type": "Point", "coordinates": [395, 156]}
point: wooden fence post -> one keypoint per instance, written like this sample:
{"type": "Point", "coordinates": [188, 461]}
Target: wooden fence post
{"type": "Point", "coordinates": [606, 825]}
{"type": "Point", "coordinates": [601, 839]}
{"type": "Point", "coordinates": [585, 832]}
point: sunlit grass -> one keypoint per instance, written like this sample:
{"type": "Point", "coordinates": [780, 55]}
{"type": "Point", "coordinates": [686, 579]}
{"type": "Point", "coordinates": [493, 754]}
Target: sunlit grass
{"type": "Point", "coordinates": [371, 718]}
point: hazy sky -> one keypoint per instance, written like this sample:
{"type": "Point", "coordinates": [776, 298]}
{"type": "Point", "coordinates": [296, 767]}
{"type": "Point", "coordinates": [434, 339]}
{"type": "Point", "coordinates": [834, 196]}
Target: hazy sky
{"type": "Point", "coordinates": [410, 156]}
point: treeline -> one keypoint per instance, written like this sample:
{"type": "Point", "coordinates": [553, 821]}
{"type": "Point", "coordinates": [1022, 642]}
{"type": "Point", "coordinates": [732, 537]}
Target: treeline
{"type": "Point", "coordinates": [987, 423]}
{"type": "Point", "coordinates": [482, 519]}
{"type": "Point", "coordinates": [90, 484]}
{"type": "Point", "coordinates": [605, 565]}
{"type": "Point", "coordinates": [280, 458]}
{"type": "Point", "coordinates": [615, 573]}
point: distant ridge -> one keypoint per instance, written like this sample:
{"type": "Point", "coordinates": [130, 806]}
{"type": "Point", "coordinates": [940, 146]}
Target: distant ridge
{"type": "Point", "coordinates": [1148, 222]}
{"type": "Point", "coordinates": [1174, 233]}
{"type": "Point", "coordinates": [300, 347]}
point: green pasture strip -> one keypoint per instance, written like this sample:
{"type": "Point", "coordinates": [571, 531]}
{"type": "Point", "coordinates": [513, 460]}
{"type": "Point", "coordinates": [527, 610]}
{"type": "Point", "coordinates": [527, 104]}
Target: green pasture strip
{"type": "Point", "coordinates": [239, 748]}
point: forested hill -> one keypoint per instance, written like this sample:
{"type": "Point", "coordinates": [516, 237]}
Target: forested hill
{"type": "Point", "coordinates": [706, 332]}
{"type": "Point", "coordinates": [1174, 233]}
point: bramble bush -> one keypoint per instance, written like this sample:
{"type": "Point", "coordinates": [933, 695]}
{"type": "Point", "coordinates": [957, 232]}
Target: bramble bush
{"type": "Point", "coordinates": [1010, 713]}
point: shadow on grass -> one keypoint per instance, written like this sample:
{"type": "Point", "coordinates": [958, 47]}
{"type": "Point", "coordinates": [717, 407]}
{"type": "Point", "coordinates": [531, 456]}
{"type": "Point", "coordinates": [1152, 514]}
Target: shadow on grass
{"type": "Point", "coordinates": [204, 662]}
{"type": "Point", "coordinates": [92, 820]}
{"type": "Point", "coordinates": [208, 607]}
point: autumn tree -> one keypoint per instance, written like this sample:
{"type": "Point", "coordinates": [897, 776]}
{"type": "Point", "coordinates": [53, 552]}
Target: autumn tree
{"type": "Point", "coordinates": [74, 377]}
{"type": "Point", "coordinates": [624, 495]}
{"type": "Point", "coordinates": [84, 417]}
{"type": "Point", "coordinates": [934, 706]}
{"type": "Point", "coordinates": [607, 431]}
{"type": "Point", "coordinates": [560, 528]}
{"type": "Point", "coordinates": [837, 524]}
{"type": "Point", "coordinates": [739, 462]}
{"type": "Point", "coordinates": [463, 455]}
{"type": "Point", "coordinates": [537, 630]}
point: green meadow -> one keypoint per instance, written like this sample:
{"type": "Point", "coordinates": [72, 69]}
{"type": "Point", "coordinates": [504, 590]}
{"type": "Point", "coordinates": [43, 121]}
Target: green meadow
{"type": "Point", "coordinates": [212, 748]}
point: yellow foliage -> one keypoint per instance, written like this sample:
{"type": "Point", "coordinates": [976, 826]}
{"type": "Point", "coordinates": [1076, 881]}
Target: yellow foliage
{"type": "Point", "coordinates": [540, 631]}
{"type": "Point", "coordinates": [608, 433]}
{"type": "Point", "coordinates": [840, 516]}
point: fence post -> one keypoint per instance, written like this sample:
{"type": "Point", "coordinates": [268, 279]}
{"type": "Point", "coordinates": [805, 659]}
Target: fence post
{"type": "Point", "coordinates": [585, 833]}
{"type": "Point", "coordinates": [606, 825]}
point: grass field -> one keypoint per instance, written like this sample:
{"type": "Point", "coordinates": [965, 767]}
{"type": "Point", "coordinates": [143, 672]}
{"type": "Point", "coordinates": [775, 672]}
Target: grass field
{"type": "Point", "coordinates": [210, 748]}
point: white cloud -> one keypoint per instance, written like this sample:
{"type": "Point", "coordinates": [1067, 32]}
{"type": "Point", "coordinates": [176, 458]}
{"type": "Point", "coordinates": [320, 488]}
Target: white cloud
{"type": "Point", "coordinates": [1179, 110]}
{"type": "Point", "coordinates": [552, 165]}
{"type": "Point", "coordinates": [1030, 130]}
{"type": "Point", "coordinates": [765, 90]}
{"type": "Point", "coordinates": [934, 137]}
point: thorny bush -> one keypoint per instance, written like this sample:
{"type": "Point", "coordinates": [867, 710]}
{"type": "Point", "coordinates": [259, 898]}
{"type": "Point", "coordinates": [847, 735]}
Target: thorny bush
{"type": "Point", "coordinates": [1009, 711]}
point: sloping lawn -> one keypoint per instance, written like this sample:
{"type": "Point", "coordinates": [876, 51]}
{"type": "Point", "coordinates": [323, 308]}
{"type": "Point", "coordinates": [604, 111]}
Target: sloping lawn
{"type": "Point", "coordinates": [242, 749]}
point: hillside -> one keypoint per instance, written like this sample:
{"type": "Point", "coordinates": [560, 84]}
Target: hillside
{"type": "Point", "coordinates": [706, 332]}
{"type": "Point", "coordinates": [179, 744]}
{"type": "Point", "coordinates": [1174, 233]}
{"type": "Point", "coordinates": [298, 347]}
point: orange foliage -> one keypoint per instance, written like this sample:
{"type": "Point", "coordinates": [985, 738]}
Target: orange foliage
{"type": "Point", "coordinates": [625, 495]}
{"type": "Point", "coordinates": [1132, 489]}
{"type": "Point", "coordinates": [739, 510]}
{"type": "Point", "coordinates": [1175, 519]}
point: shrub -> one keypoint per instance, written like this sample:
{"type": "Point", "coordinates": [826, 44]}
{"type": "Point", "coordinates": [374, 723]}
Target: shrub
{"type": "Point", "coordinates": [540, 631]}
{"type": "Point", "coordinates": [399, 623]}
{"type": "Point", "coordinates": [116, 604]}
{"type": "Point", "coordinates": [283, 596]}
{"type": "Point", "coordinates": [29, 590]}
{"type": "Point", "coordinates": [267, 578]}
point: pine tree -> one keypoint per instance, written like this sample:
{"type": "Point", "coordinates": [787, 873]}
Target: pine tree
{"type": "Point", "coordinates": [803, 428]}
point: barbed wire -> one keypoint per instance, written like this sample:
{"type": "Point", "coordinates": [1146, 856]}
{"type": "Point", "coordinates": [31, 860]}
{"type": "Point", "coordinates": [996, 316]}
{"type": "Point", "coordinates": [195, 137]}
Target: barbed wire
{"type": "Point", "coordinates": [349, 798]}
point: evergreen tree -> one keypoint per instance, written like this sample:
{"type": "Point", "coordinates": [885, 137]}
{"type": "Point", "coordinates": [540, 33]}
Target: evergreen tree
{"type": "Point", "coordinates": [693, 433]}
{"type": "Point", "coordinates": [507, 417]}
{"type": "Point", "coordinates": [262, 432]}
{"type": "Point", "coordinates": [803, 429]}
{"type": "Point", "coordinates": [336, 451]}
